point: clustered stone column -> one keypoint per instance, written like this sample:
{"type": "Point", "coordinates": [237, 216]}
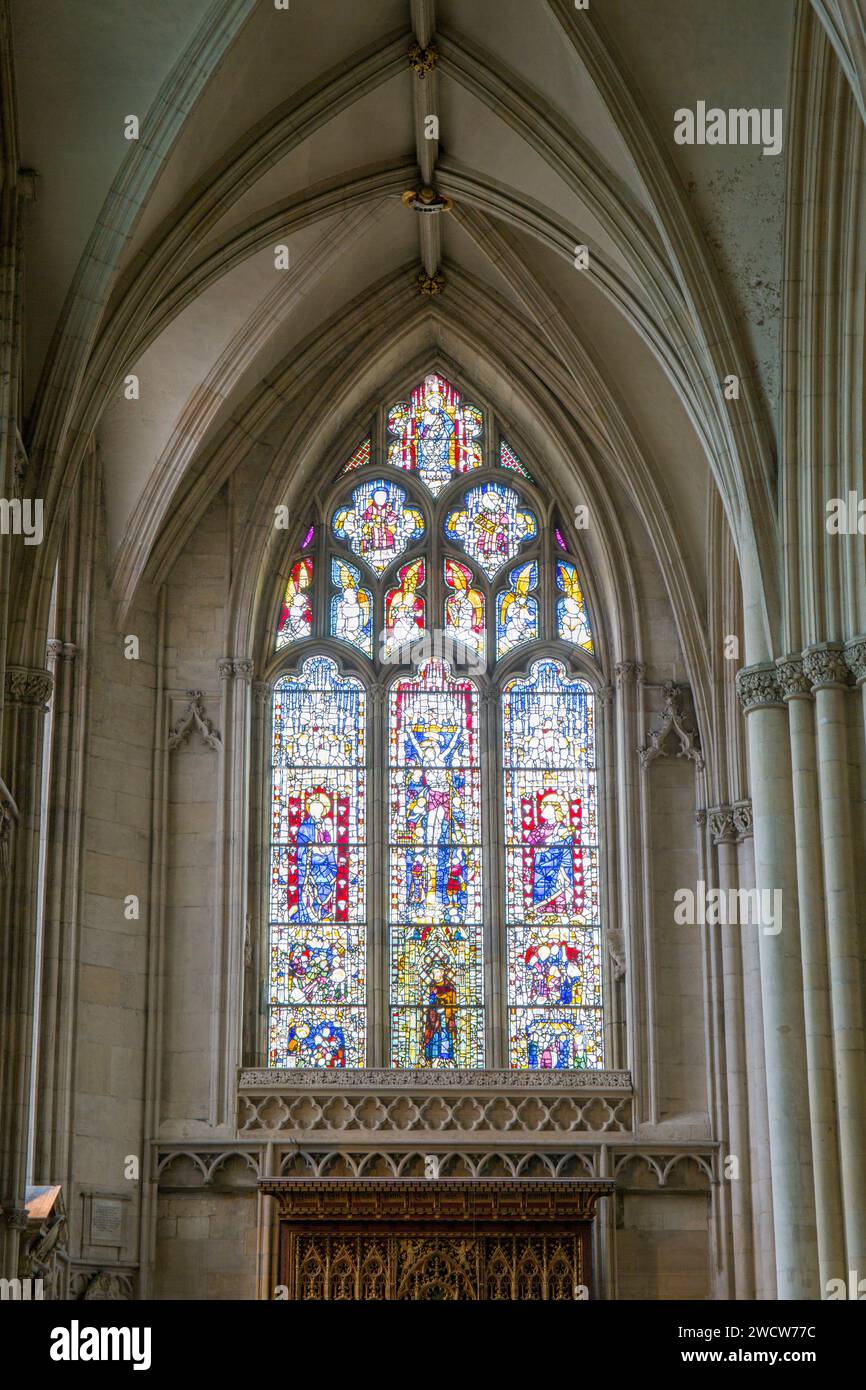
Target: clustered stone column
{"type": "Point", "coordinates": [813, 1004]}
{"type": "Point", "coordinates": [27, 693]}
{"type": "Point", "coordinates": [781, 984]}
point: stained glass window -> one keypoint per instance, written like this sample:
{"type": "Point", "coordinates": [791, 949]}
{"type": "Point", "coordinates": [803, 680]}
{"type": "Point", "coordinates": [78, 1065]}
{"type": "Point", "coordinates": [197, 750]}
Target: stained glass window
{"type": "Point", "coordinates": [517, 610]}
{"type": "Point", "coordinates": [434, 435]}
{"type": "Point", "coordinates": [508, 459]}
{"type": "Point", "coordinates": [437, 1006]}
{"type": "Point", "coordinates": [464, 607]}
{"type": "Point", "coordinates": [318, 869]}
{"type": "Point", "coordinates": [359, 458]}
{"type": "Point", "coordinates": [572, 620]}
{"type": "Point", "coordinates": [409, 577]}
{"type": "Point", "coordinates": [404, 608]}
{"type": "Point", "coordinates": [490, 526]}
{"type": "Point", "coordinates": [296, 614]}
{"type": "Point", "coordinates": [551, 870]}
{"type": "Point", "coordinates": [351, 607]}
{"type": "Point", "coordinates": [378, 525]}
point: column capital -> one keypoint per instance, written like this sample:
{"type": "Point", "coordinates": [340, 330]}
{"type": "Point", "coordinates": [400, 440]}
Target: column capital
{"type": "Point", "coordinates": [729, 824]}
{"type": "Point", "coordinates": [794, 683]}
{"type": "Point", "coordinates": [825, 666]}
{"type": "Point", "coordinates": [627, 671]}
{"type": "Point", "coordinates": [758, 688]}
{"type": "Point", "coordinates": [25, 686]}
{"type": "Point", "coordinates": [236, 668]}
{"type": "Point", "coordinates": [855, 657]}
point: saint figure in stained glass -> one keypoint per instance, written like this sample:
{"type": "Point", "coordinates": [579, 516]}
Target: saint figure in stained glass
{"type": "Point", "coordinates": [378, 526]}
{"type": "Point", "coordinates": [296, 614]}
{"type": "Point", "coordinates": [516, 610]}
{"type": "Point", "coordinates": [434, 435]}
{"type": "Point", "coordinates": [491, 525]}
{"type": "Point", "coordinates": [404, 607]}
{"type": "Point", "coordinates": [351, 608]}
{"type": "Point", "coordinates": [571, 616]}
{"type": "Point", "coordinates": [464, 607]}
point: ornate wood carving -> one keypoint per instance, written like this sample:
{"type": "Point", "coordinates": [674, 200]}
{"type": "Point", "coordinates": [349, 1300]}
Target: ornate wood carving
{"type": "Point", "coordinates": [425, 1241]}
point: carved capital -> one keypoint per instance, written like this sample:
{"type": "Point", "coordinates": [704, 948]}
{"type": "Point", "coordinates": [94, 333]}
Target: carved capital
{"type": "Point", "coordinates": [826, 668]}
{"type": "Point", "coordinates": [16, 1218]}
{"type": "Point", "coordinates": [626, 672]}
{"type": "Point", "coordinates": [616, 950]}
{"type": "Point", "coordinates": [236, 668]}
{"type": "Point", "coordinates": [758, 688]}
{"type": "Point", "coordinates": [194, 717]}
{"type": "Point", "coordinates": [743, 819]}
{"type": "Point", "coordinates": [855, 656]}
{"type": "Point", "coordinates": [792, 680]}
{"type": "Point", "coordinates": [674, 720]}
{"type": "Point", "coordinates": [262, 691]}
{"type": "Point", "coordinates": [605, 696]}
{"type": "Point", "coordinates": [722, 826]}
{"type": "Point", "coordinates": [28, 687]}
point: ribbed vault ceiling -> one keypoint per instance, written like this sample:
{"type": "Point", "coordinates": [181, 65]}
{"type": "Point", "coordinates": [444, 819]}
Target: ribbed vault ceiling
{"type": "Point", "coordinates": [302, 127]}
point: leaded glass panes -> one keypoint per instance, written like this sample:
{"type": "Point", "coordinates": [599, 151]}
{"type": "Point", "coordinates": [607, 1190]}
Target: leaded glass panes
{"type": "Point", "coordinates": [318, 869]}
{"type": "Point", "coordinates": [491, 525]}
{"type": "Point", "coordinates": [360, 457]}
{"type": "Point", "coordinates": [551, 870]}
{"type": "Point", "coordinates": [351, 607]}
{"type": "Point", "coordinates": [517, 610]}
{"type": "Point", "coordinates": [437, 1015]}
{"type": "Point", "coordinates": [296, 613]}
{"type": "Point", "coordinates": [434, 435]}
{"type": "Point", "coordinates": [377, 525]}
{"type": "Point", "coordinates": [464, 607]}
{"type": "Point", "coordinates": [508, 459]}
{"type": "Point", "coordinates": [572, 619]}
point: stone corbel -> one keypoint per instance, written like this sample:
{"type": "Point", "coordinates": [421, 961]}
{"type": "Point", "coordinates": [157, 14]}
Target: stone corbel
{"type": "Point", "coordinates": [674, 720]}
{"type": "Point", "coordinates": [194, 717]}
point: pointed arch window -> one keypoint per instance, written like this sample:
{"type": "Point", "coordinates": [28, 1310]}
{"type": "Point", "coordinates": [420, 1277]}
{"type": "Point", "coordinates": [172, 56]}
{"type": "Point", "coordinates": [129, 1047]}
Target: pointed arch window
{"type": "Point", "coordinates": [435, 662]}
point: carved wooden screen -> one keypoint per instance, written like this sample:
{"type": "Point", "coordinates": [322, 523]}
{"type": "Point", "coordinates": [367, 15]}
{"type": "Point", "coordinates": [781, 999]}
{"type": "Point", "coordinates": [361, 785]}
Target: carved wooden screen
{"type": "Point", "coordinates": [435, 1241]}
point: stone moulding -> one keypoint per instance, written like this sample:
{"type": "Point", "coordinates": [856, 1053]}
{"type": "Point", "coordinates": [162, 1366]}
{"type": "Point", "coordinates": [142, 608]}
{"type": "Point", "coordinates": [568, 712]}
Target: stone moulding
{"type": "Point", "coordinates": [365, 1078]}
{"type": "Point", "coordinates": [447, 1106]}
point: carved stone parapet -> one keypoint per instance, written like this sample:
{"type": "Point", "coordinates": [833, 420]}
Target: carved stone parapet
{"type": "Point", "coordinates": [674, 720]}
{"type": "Point", "coordinates": [826, 668]}
{"type": "Point", "coordinates": [758, 688]}
{"type": "Point", "coordinates": [443, 1106]}
{"type": "Point", "coordinates": [25, 686]}
{"type": "Point", "coordinates": [855, 656]}
{"type": "Point", "coordinates": [793, 682]}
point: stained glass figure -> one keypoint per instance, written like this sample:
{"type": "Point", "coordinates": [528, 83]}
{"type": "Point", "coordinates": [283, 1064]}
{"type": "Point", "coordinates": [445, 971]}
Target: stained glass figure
{"type": "Point", "coordinates": [318, 869]}
{"type": "Point", "coordinates": [572, 620]}
{"type": "Point", "coordinates": [552, 903]}
{"type": "Point", "coordinates": [404, 608]}
{"type": "Point", "coordinates": [491, 526]}
{"type": "Point", "coordinates": [309, 538]}
{"type": "Point", "coordinates": [360, 457]}
{"type": "Point", "coordinates": [377, 525]}
{"type": "Point", "coordinates": [437, 1015]}
{"type": "Point", "coordinates": [351, 607]}
{"type": "Point", "coordinates": [434, 435]}
{"type": "Point", "coordinates": [296, 614]}
{"type": "Point", "coordinates": [516, 610]}
{"type": "Point", "coordinates": [464, 607]}
{"type": "Point", "coordinates": [508, 459]}
{"type": "Point", "coordinates": [560, 541]}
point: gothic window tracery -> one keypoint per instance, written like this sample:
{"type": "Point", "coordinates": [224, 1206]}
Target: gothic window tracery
{"type": "Point", "coordinates": [420, 740]}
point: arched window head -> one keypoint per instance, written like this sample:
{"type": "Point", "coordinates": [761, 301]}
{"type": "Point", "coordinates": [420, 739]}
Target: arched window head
{"type": "Point", "coordinates": [434, 639]}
